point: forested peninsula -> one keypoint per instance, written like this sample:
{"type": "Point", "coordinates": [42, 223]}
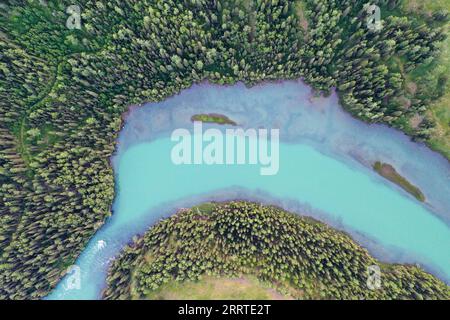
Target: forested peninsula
{"type": "Point", "coordinates": [297, 256]}
{"type": "Point", "coordinates": [63, 91]}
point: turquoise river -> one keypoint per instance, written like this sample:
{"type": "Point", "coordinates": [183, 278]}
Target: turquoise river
{"type": "Point", "coordinates": [325, 159]}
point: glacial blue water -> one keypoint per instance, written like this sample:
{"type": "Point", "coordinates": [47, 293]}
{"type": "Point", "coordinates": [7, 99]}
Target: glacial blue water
{"type": "Point", "coordinates": [325, 172]}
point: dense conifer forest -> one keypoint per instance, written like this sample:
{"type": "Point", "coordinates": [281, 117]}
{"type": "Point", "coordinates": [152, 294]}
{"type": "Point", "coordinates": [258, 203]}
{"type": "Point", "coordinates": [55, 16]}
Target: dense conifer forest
{"type": "Point", "coordinates": [297, 255]}
{"type": "Point", "coordinates": [63, 91]}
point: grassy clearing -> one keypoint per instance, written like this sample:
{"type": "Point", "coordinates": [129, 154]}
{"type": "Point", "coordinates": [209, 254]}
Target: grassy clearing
{"type": "Point", "coordinates": [213, 288]}
{"type": "Point", "coordinates": [440, 109]}
{"type": "Point", "coordinates": [205, 208]}
{"type": "Point", "coordinates": [436, 74]}
{"type": "Point", "coordinates": [440, 140]}
{"type": "Point", "coordinates": [300, 10]}
{"type": "Point", "coordinates": [426, 7]}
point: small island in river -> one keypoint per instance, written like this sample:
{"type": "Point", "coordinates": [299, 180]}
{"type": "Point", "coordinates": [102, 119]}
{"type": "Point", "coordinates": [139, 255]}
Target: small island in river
{"type": "Point", "coordinates": [389, 172]}
{"type": "Point", "coordinates": [213, 118]}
